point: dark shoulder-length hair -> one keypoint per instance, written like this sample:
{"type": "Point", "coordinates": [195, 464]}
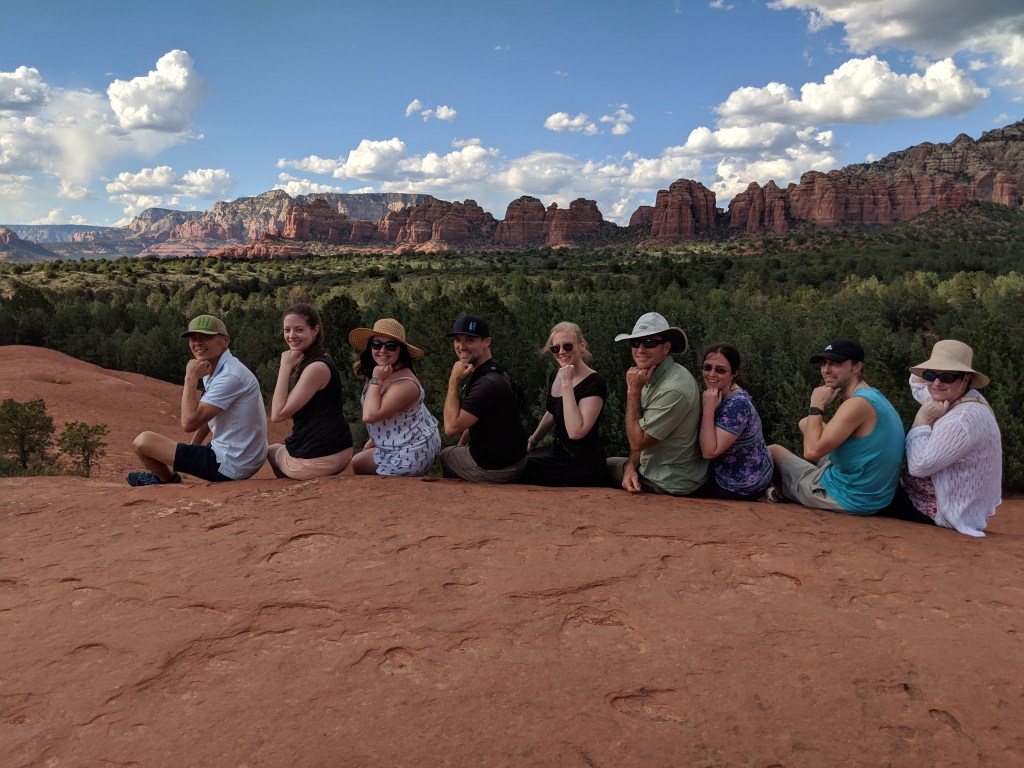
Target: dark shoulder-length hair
{"type": "Point", "coordinates": [364, 364]}
{"type": "Point", "coordinates": [728, 351]}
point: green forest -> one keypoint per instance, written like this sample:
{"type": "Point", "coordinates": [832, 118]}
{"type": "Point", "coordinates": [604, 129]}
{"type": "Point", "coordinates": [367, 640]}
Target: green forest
{"type": "Point", "coordinates": [897, 289]}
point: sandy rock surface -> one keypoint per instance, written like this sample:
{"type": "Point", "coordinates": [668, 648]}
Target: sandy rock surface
{"type": "Point", "coordinates": [366, 622]}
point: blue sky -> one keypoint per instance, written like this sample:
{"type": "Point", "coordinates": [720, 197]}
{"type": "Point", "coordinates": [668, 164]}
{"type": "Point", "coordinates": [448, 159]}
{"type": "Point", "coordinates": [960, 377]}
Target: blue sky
{"type": "Point", "coordinates": [108, 107]}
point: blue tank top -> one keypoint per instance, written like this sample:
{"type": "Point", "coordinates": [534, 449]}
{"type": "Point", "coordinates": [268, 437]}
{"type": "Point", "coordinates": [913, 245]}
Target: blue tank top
{"type": "Point", "coordinates": [866, 470]}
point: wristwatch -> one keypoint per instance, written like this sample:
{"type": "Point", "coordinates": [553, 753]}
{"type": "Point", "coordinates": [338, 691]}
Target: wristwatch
{"type": "Point", "coordinates": [374, 380]}
{"type": "Point", "coordinates": [815, 411]}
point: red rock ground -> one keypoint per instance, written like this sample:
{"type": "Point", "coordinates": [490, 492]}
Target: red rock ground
{"type": "Point", "coordinates": [358, 621]}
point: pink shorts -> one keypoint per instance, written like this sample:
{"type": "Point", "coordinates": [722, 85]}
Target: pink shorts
{"type": "Point", "coordinates": [305, 469]}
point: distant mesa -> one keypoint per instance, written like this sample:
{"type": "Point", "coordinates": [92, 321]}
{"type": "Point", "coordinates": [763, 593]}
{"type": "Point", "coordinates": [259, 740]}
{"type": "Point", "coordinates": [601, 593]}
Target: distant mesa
{"type": "Point", "coordinates": [274, 224]}
{"type": "Point", "coordinates": [15, 250]}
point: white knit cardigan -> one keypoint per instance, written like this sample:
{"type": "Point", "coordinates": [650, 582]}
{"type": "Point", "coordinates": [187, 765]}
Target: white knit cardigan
{"type": "Point", "coordinates": [963, 455]}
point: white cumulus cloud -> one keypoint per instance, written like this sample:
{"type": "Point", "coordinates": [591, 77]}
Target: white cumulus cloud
{"type": "Point", "coordinates": [295, 186]}
{"type": "Point", "coordinates": [162, 186]}
{"type": "Point", "coordinates": [619, 120]}
{"type": "Point", "coordinates": [563, 122]}
{"type": "Point", "coordinates": [414, 106]}
{"type": "Point", "coordinates": [859, 91]}
{"type": "Point", "coordinates": [166, 99]}
{"type": "Point", "coordinates": [53, 217]}
{"type": "Point", "coordinates": [938, 28]}
{"type": "Point", "coordinates": [22, 90]}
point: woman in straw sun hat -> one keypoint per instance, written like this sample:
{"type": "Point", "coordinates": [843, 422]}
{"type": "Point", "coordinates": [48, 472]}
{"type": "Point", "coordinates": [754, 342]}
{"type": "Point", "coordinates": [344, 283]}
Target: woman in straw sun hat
{"type": "Point", "coordinates": [403, 434]}
{"type": "Point", "coordinates": [954, 449]}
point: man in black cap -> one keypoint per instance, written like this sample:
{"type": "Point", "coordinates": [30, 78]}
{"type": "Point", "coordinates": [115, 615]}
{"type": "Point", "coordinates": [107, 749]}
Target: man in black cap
{"type": "Point", "coordinates": [492, 448]}
{"type": "Point", "coordinates": [858, 452]}
{"type": "Point", "coordinates": [230, 408]}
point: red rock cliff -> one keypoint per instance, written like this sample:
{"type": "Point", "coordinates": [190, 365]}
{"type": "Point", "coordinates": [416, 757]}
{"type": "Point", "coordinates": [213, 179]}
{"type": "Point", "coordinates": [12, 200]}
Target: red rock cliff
{"type": "Point", "coordinates": [685, 209]}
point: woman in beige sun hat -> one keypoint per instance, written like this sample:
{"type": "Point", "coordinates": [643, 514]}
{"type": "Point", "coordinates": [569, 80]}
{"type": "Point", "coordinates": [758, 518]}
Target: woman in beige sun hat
{"type": "Point", "coordinates": [954, 449]}
{"type": "Point", "coordinates": [403, 434]}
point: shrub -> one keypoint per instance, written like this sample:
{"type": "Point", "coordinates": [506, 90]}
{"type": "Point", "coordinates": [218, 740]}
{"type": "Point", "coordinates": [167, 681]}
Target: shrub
{"type": "Point", "coordinates": [26, 432]}
{"type": "Point", "coordinates": [83, 444]}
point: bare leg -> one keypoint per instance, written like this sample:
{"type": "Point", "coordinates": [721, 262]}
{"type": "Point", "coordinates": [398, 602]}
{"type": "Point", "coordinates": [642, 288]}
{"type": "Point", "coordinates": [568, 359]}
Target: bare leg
{"type": "Point", "coordinates": [157, 453]}
{"type": "Point", "coordinates": [363, 463]}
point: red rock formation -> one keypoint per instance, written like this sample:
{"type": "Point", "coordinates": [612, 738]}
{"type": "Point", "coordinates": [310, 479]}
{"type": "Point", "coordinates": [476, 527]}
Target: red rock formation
{"type": "Point", "coordinates": [279, 622]}
{"type": "Point", "coordinates": [642, 215]}
{"type": "Point", "coordinates": [568, 226]}
{"type": "Point", "coordinates": [437, 220]}
{"type": "Point", "coordinates": [316, 220]}
{"type": "Point", "coordinates": [685, 209]}
{"type": "Point", "coordinates": [265, 248]}
{"type": "Point", "coordinates": [897, 187]}
{"type": "Point", "coordinates": [8, 236]}
{"type": "Point", "coordinates": [523, 223]}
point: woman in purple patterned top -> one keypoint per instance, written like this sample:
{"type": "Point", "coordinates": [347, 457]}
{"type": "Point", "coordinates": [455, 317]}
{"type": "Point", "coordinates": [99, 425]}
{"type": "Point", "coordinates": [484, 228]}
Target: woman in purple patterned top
{"type": "Point", "coordinates": [730, 431]}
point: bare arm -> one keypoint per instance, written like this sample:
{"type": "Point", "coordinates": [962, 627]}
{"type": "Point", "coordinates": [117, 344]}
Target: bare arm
{"type": "Point", "coordinates": [820, 437]}
{"type": "Point", "coordinates": [194, 413]}
{"type": "Point", "coordinates": [384, 400]}
{"type": "Point", "coordinates": [547, 421]}
{"type": "Point", "coordinates": [457, 420]}
{"type": "Point", "coordinates": [313, 378]}
{"type": "Point", "coordinates": [581, 416]}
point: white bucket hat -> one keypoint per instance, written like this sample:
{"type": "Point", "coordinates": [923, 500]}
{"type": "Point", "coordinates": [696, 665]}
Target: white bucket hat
{"type": "Point", "coordinates": [653, 324]}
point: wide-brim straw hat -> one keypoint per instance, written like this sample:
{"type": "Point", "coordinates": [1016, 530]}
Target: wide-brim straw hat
{"type": "Point", "coordinates": [952, 355]}
{"type": "Point", "coordinates": [653, 324]}
{"type": "Point", "coordinates": [387, 327]}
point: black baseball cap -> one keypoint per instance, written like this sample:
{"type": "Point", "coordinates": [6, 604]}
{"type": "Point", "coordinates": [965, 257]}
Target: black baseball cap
{"type": "Point", "coordinates": [470, 325]}
{"type": "Point", "coordinates": [839, 350]}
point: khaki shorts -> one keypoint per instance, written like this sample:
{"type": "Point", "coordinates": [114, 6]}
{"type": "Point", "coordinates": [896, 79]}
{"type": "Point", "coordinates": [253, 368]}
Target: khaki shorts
{"type": "Point", "coordinates": [801, 483]}
{"type": "Point", "coordinates": [305, 469]}
{"type": "Point", "coordinates": [456, 461]}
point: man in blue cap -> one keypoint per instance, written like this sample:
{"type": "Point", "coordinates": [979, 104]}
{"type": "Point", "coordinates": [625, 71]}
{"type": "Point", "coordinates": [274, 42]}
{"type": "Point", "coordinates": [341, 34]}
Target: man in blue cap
{"type": "Point", "coordinates": [230, 408]}
{"type": "Point", "coordinates": [482, 405]}
{"type": "Point", "coordinates": [851, 461]}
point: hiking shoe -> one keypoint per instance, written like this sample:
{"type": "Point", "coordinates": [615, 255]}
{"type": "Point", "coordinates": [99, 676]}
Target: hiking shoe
{"type": "Point", "coordinates": [136, 479]}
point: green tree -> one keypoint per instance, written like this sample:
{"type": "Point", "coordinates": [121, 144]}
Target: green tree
{"type": "Point", "coordinates": [83, 444]}
{"type": "Point", "coordinates": [26, 432]}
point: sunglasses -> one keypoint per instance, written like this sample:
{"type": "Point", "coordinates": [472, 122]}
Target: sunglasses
{"type": "Point", "coordinates": [646, 343]}
{"type": "Point", "coordinates": [390, 346]}
{"type": "Point", "coordinates": [555, 347]}
{"type": "Point", "coordinates": [721, 370]}
{"type": "Point", "coordinates": [945, 378]}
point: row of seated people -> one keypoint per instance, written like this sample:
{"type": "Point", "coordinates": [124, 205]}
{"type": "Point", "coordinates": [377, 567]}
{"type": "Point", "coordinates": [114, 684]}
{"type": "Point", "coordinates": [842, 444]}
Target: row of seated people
{"type": "Point", "coordinates": [683, 442]}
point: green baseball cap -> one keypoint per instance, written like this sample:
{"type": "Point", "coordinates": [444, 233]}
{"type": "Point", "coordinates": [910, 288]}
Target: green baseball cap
{"type": "Point", "coordinates": [206, 324]}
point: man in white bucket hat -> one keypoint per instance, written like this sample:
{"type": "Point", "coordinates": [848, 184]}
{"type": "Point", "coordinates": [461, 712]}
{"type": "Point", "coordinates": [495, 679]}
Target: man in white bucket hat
{"type": "Point", "coordinates": [662, 414]}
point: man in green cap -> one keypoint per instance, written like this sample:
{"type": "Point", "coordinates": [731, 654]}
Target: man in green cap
{"type": "Point", "coordinates": [231, 409]}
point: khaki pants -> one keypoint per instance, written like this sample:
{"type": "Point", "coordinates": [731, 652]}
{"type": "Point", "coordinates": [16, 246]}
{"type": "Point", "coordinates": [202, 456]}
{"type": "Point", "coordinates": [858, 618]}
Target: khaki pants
{"type": "Point", "coordinates": [457, 462]}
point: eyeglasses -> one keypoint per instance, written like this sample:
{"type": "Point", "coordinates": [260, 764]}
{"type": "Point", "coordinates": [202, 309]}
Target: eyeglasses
{"type": "Point", "coordinates": [945, 378]}
{"type": "Point", "coordinates": [390, 346]}
{"type": "Point", "coordinates": [567, 347]}
{"type": "Point", "coordinates": [647, 343]}
{"type": "Point", "coordinates": [721, 370]}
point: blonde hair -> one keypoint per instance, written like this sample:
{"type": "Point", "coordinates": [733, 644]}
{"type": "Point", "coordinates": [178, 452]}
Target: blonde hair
{"type": "Point", "coordinates": [566, 327]}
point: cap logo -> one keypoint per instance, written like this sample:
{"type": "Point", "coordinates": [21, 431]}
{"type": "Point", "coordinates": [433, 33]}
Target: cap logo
{"type": "Point", "coordinates": [202, 322]}
{"type": "Point", "coordinates": [828, 348]}
{"type": "Point", "coordinates": [472, 325]}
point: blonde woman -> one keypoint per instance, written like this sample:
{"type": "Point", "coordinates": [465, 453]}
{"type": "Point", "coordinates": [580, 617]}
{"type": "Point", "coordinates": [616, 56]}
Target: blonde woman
{"type": "Point", "coordinates": [576, 397]}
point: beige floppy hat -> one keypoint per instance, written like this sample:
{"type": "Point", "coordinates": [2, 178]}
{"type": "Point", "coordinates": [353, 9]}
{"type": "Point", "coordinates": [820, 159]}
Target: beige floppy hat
{"type": "Point", "coordinates": [952, 355]}
{"type": "Point", "coordinates": [386, 326]}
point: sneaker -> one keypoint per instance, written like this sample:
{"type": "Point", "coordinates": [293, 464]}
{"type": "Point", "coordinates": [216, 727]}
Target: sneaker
{"type": "Point", "coordinates": [136, 479]}
{"type": "Point", "coordinates": [772, 495]}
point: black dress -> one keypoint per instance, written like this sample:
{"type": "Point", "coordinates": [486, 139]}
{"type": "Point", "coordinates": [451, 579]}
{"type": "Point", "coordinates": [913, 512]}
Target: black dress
{"type": "Point", "coordinates": [567, 462]}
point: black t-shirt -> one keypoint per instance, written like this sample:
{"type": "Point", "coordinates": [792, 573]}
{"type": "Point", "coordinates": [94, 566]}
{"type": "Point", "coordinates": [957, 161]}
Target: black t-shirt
{"type": "Point", "coordinates": [497, 440]}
